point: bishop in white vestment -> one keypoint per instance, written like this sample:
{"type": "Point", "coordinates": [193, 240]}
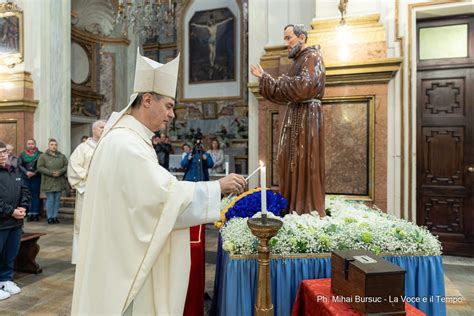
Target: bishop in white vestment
{"type": "Point", "coordinates": [134, 257]}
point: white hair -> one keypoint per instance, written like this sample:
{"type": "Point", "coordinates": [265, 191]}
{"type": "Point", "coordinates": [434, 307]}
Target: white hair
{"type": "Point", "coordinates": [94, 125]}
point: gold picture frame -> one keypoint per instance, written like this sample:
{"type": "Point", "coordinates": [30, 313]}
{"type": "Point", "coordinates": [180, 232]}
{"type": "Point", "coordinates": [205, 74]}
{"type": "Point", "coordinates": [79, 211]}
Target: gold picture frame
{"type": "Point", "coordinates": [240, 72]}
{"type": "Point", "coordinates": [367, 103]}
{"type": "Point", "coordinates": [11, 35]}
{"type": "Point", "coordinates": [209, 110]}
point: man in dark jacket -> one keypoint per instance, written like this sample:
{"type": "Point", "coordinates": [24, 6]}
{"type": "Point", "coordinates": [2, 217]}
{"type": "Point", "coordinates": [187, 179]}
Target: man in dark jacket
{"type": "Point", "coordinates": [167, 148]}
{"type": "Point", "coordinates": [163, 150]}
{"type": "Point", "coordinates": [197, 164]}
{"type": "Point", "coordinates": [14, 202]}
{"type": "Point", "coordinates": [27, 163]}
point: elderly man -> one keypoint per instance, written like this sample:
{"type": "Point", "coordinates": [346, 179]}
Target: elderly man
{"type": "Point", "coordinates": [12, 159]}
{"type": "Point", "coordinates": [301, 148]}
{"type": "Point", "coordinates": [76, 174]}
{"type": "Point", "coordinates": [134, 257]}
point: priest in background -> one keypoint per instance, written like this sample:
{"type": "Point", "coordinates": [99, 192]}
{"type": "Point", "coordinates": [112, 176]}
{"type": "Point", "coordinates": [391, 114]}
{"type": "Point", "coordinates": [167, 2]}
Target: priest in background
{"type": "Point", "coordinates": [76, 175]}
{"type": "Point", "coordinates": [134, 257]}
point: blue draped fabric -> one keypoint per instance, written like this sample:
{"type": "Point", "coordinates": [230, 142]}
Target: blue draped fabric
{"type": "Point", "coordinates": [424, 279]}
{"type": "Point", "coordinates": [236, 281]}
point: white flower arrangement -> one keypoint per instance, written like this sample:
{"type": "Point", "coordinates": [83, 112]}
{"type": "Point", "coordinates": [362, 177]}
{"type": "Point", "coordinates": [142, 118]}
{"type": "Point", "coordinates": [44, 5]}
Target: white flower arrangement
{"type": "Point", "coordinates": [351, 225]}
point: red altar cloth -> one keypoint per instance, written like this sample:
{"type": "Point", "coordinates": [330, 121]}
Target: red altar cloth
{"type": "Point", "coordinates": [195, 297]}
{"type": "Point", "coordinates": [315, 298]}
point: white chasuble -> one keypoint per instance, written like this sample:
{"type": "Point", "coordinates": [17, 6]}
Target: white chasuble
{"type": "Point", "coordinates": [76, 174]}
{"type": "Point", "coordinates": [135, 254]}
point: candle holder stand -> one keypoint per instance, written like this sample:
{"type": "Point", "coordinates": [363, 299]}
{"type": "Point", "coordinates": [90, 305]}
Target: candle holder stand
{"type": "Point", "coordinates": [264, 229]}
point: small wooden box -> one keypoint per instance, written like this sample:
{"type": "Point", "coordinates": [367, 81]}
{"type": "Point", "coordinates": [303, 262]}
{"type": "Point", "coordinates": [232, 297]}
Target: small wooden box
{"type": "Point", "coordinates": [369, 283]}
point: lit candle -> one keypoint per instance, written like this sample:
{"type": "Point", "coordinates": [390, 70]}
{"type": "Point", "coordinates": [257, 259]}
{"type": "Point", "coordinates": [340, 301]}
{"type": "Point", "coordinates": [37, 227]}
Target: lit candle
{"type": "Point", "coordinates": [263, 184]}
{"type": "Point", "coordinates": [226, 168]}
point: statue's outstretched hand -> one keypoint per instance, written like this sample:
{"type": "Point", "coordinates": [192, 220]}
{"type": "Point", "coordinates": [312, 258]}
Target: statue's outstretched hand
{"type": "Point", "coordinates": [233, 183]}
{"type": "Point", "coordinates": [256, 70]}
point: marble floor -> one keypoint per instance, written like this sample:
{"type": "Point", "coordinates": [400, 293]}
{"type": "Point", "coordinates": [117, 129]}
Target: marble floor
{"type": "Point", "coordinates": [50, 293]}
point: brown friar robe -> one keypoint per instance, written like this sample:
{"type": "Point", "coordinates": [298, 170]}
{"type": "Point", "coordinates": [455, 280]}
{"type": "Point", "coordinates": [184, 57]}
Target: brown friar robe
{"type": "Point", "coordinates": [301, 148]}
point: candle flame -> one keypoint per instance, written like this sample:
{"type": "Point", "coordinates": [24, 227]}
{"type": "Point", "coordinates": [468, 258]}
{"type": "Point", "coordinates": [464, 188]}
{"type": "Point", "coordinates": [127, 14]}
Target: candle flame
{"type": "Point", "coordinates": [262, 164]}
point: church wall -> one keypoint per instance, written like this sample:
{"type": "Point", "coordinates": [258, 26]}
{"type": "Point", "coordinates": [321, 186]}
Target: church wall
{"type": "Point", "coordinates": [50, 68]}
{"type": "Point", "coordinates": [399, 20]}
{"type": "Point", "coordinates": [117, 78]}
{"type": "Point", "coordinates": [111, 56]}
{"type": "Point", "coordinates": [387, 141]}
{"type": "Point", "coordinates": [386, 10]}
{"type": "Point", "coordinates": [218, 108]}
{"type": "Point", "coordinates": [408, 11]}
{"type": "Point", "coordinates": [47, 58]}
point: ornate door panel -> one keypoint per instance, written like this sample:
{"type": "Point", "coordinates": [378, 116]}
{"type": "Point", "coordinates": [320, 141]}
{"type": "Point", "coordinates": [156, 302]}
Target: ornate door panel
{"type": "Point", "coordinates": [445, 156]}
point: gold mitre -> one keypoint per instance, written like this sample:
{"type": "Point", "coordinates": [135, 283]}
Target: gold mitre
{"type": "Point", "coordinates": [151, 76]}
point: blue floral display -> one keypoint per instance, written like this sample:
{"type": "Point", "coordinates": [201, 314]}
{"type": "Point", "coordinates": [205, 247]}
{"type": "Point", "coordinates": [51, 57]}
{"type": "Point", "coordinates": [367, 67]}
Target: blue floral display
{"type": "Point", "coordinates": [251, 204]}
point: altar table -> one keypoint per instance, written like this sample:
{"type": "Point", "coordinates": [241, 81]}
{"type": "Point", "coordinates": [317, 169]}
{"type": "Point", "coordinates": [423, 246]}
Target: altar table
{"type": "Point", "coordinates": [235, 284]}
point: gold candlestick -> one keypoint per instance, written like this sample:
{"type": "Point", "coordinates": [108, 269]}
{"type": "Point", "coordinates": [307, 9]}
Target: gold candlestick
{"type": "Point", "coordinates": [264, 231]}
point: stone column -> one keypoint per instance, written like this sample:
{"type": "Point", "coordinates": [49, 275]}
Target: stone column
{"type": "Point", "coordinates": [47, 54]}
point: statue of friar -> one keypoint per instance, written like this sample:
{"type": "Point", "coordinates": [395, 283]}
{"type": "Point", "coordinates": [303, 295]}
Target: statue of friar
{"type": "Point", "coordinates": [300, 155]}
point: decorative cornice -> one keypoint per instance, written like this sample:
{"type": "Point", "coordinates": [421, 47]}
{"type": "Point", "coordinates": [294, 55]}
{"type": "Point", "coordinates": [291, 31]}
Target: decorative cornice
{"type": "Point", "coordinates": [18, 105]}
{"type": "Point", "coordinates": [94, 38]}
{"type": "Point", "coordinates": [87, 95]}
{"type": "Point", "coordinates": [367, 71]}
{"type": "Point", "coordinates": [253, 87]}
{"type": "Point", "coordinates": [274, 49]}
{"type": "Point", "coordinates": [17, 77]}
{"type": "Point", "coordinates": [159, 46]}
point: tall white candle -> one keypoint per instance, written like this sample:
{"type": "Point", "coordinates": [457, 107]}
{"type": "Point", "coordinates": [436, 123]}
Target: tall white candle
{"type": "Point", "coordinates": [226, 168]}
{"type": "Point", "coordinates": [263, 184]}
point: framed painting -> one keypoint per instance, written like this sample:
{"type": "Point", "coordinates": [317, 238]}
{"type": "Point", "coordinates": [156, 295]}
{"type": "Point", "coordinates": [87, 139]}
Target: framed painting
{"type": "Point", "coordinates": [212, 46]}
{"type": "Point", "coordinates": [11, 34]}
{"type": "Point", "coordinates": [349, 135]}
{"type": "Point", "coordinates": [349, 142]}
{"type": "Point", "coordinates": [209, 110]}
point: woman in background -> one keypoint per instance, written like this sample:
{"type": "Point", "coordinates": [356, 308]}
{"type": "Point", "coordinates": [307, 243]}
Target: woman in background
{"type": "Point", "coordinates": [28, 164]}
{"type": "Point", "coordinates": [217, 156]}
{"type": "Point", "coordinates": [52, 165]}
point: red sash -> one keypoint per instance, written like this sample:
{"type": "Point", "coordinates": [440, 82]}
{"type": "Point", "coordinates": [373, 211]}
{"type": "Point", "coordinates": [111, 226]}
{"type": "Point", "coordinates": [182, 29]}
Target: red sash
{"type": "Point", "coordinates": [195, 297]}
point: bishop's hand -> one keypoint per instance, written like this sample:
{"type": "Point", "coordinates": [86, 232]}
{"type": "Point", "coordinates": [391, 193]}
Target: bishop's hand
{"type": "Point", "coordinates": [233, 183]}
{"type": "Point", "coordinates": [257, 70]}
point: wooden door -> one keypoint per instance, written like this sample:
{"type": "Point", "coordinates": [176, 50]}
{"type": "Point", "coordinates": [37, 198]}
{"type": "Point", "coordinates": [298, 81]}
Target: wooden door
{"type": "Point", "coordinates": [445, 145]}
